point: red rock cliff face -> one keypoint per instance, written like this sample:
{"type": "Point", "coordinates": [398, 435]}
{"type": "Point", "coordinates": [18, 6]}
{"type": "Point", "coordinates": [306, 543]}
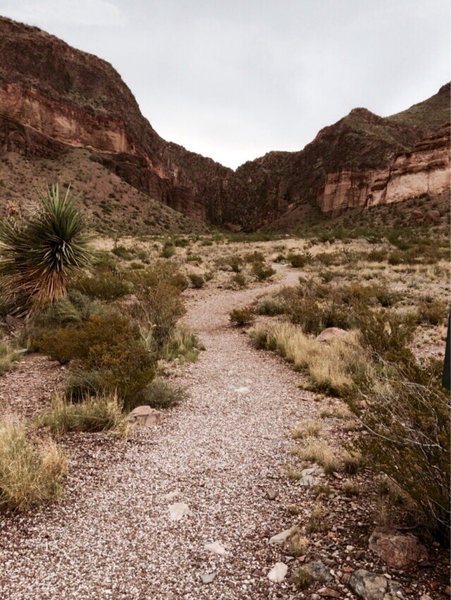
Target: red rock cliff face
{"type": "Point", "coordinates": [54, 97]}
{"type": "Point", "coordinates": [424, 170]}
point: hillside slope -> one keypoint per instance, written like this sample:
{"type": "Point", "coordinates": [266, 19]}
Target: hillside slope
{"type": "Point", "coordinates": [59, 105]}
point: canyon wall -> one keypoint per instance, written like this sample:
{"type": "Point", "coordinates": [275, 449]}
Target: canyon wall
{"type": "Point", "coordinates": [54, 98]}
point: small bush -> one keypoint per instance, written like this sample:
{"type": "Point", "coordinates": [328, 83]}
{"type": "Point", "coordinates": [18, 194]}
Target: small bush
{"type": "Point", "coordinates": [157, 394]}
{"type": "Point", "coordinates": [262, 271]}
{"type": "Point", "coordinates": [109, 345]}
{"type": "Point", "coordinates": [107, 286]}
{"type": "Point", "coordinates": [29, 475]}
{"type": "Point", "coordinates": [197, 281]}
{"type": "Point", "coordinates": [97, 413]}
{"type": "Point", "coordinates": [239, 279]}
{"type": "Point", "coordinates": [122, 252]}
{"type": "Point", "coordinates": [434, 312]}
{"type": "Point", "coordinates": [297, 261]}
{"type": "Point", "coordinates": [168, 251]}
{"type": "Point", "coordinates": [302, 579]}
{"type": "Point", "coordinates": [242, 316]}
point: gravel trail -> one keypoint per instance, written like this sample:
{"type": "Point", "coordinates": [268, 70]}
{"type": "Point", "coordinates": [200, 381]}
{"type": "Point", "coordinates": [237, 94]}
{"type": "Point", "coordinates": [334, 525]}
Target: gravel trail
{"type": "Point", "coordinates": [220, 452]}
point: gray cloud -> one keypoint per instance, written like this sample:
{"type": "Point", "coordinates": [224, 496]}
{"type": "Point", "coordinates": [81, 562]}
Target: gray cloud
{"type": "Point", "coordinates": [233, 80]}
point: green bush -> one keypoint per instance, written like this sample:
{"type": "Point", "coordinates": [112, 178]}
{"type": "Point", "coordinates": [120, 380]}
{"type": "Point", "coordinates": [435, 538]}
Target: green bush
{"type": "Point", "coordinates": [107, 344]}
{"type": "Point", "coordinates": [197, 281]}
{"type": "Point", "coordinates": [297, 261]}
{"type": "Point", "coordinates": [157, 394]}
{"type": "Point", "coordinates": [123, 252]}
{"type": "Point", "coordinates": [262, 271]}
{"type": "Point", "coordinates": [168, 251]}
{"type": "Point", "coordinates": [239, 279]}
{"type": "Point", "coordinates": [242, 316]}
{"type": "Point", "coordinates": [103, 286]}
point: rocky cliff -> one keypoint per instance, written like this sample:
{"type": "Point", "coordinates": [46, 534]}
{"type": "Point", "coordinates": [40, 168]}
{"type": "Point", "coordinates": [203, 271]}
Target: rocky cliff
{"type": "Point", "coordinates": [55, 100]}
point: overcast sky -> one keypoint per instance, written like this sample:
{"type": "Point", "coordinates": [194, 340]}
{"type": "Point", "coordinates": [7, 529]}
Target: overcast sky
{"type": "Point", "coordinates": [233, 79]}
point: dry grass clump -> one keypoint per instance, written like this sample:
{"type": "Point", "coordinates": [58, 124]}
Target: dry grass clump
{"type": "Point", "coordinates": [29, 474]}
{"type": "Point", "coordinates": [93, 413]}
{"type": "Point", "coordinates": [336, 367]}
{"type": "Point", "coordinates": [319, 452]}
{"type": "Point", "coordinates": [308, 428]}
{"type": "Point", "coordinates": [302, 579]}
{"type": "Point", "coordinates": [297, 544]}
{"type": "Point", "coordinates": [336, 410]}
{"type": "Point", "coordinates": [182, 345]}
{"type": "Point", "coordinates": [8, 356]}
{"type": "Point", "coordinates": [318, 520]}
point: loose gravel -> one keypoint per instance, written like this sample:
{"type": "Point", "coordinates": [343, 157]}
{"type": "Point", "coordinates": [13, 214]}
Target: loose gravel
{"type": "Point", "coordinates": [219, 453]}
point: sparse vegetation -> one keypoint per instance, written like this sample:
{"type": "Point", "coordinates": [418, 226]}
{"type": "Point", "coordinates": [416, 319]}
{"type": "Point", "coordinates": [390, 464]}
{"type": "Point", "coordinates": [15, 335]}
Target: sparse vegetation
{"type": "Point", "coordinates": [242, 317]}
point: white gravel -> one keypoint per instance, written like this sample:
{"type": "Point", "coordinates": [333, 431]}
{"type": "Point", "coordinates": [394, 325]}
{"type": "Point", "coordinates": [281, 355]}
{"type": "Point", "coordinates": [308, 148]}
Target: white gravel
{"type": "Point", "coordinates": [219, 452]}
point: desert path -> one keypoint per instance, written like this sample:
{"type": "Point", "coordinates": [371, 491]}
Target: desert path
{"type": "Point", "coordinates": [220, 452]}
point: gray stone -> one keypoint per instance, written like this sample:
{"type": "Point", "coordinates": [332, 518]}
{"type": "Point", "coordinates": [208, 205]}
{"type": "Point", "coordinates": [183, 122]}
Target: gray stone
{"type": "Point", "coordinates": [368, 586]}
{"type": "Point", "coordinates": [208, 577]}
{"type": "Point", "coordinates": [318, 571]}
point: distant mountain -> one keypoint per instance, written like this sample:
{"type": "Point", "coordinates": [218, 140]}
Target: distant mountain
{"type": "Point", "coordinates": [67, 115]}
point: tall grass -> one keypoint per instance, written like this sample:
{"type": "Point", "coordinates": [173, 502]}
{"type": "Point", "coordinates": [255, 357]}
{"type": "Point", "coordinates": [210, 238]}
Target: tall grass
{"type": "Point", "coordinates": [97, 413]}
{"type": "Point", "coordinates": [336, 367]}
{"type": "Point", "coordinates": [29, 475]}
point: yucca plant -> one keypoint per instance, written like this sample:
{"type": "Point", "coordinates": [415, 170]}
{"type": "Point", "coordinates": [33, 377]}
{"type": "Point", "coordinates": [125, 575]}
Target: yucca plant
{"type": "Point", "coordinates": [38, 252]}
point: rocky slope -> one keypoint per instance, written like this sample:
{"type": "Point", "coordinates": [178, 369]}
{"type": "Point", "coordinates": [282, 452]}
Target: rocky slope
{"type": "Point", "coordinates": [56, 101]}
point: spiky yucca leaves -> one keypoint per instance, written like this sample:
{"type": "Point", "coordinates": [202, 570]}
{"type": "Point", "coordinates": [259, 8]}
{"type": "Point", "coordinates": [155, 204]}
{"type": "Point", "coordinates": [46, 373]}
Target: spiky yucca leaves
{"type": "Point", "coordinates": [38, 252]}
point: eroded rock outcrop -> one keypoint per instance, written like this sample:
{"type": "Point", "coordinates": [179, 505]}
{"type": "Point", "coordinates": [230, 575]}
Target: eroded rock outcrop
{"type": "Point", "coordinates": [54, 99]}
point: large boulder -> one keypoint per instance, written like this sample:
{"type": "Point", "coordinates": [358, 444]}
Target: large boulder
{"type": "Point", "coordinates": [399, 551]}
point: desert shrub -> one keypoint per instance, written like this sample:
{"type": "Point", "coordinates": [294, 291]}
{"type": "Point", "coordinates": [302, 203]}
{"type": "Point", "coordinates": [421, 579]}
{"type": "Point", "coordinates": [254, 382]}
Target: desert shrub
{"type": "Point", "coordinates": [103, 286]}
{"type": "Point", "coordinates": [242, 316]}
{"type": "Point", "coordinates": [262, 271]}
{"type": "Point", "coordinates": [92, 413]}
{"type": "Point", "coordinates": [38, 252]}
{"type": "Point", "coordinates": [168, 250]}
{"type": "Point", "coordinates": [122, 252]}
{"type": "Point", "coordinates": [387, 335]}
{"type": "Point", "coordinates": [433, 312]}
{"type": "Point", "coordinates": [298, 261]}
{"type": "Point", "coordinates": [182, 344]}
{"type": "Point", "coordinates": [8, 356]}
{"type": "Point", "coordinates": [159, 272]}
{"type": "Point", "coordinates": [181, 242]}
{"type": "Point", "coordinates": [29, 475]}
{"type": "Point", "coordinates": [158, 394]}
{"type": "Point", "coordinates": [239, 279]}
{"type": "Point", "coordinates": [409, 440]}
{"type": "Point", "coordinates": [194, 258]}
{"type": "Point", "coordinates": [255, 256]}
{"type": "Point", "coordinates": [197, 281]}
{"type": "Point", "coordinates": [270, 307]}
{"type": "Point", "coordinates": [377, 255]}
{"type": "Point", "coordinates": [109, 345]}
